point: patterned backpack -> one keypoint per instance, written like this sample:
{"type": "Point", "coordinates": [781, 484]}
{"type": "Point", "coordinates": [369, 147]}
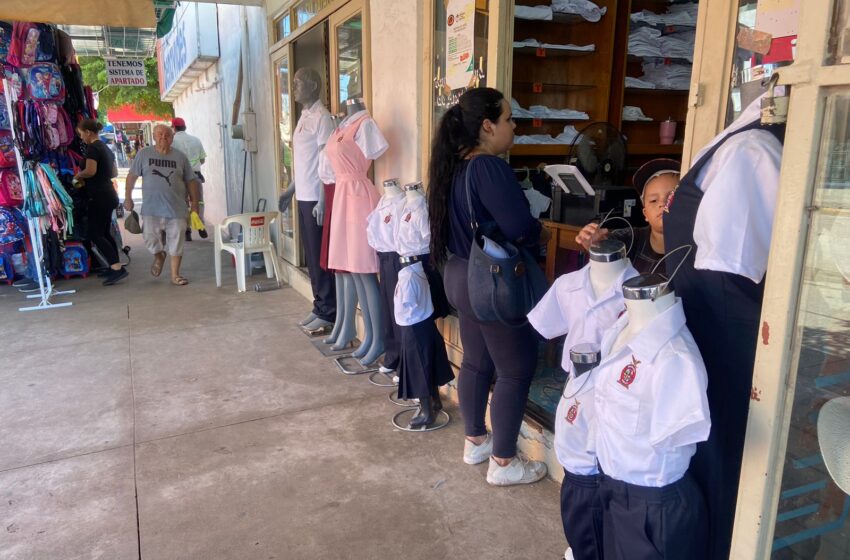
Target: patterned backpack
{"type": "Point", "coordinates": [16, 81]}
{"type": "Point", "coordinates": [7, 151]}
{"type": "Point", "coordinates": [46, 50]}
{"type": "Point", "coordinates": [24, 44]}
{"type": "Point", "coordinates": [44, 82]}
{"type": "Point", "coordinates": [11, 191]}
{"type": "Point", "coordinates": [5, 38]}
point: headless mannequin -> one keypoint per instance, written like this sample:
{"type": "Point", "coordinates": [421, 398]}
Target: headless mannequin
{"type": "Point", "coordinates": [351, 288]}
{"type": "Point", "coordinates": [643, 310]}
{"type": "Point", "coordinates": [604, 274]}
{"type": "Point", "coordinates": [391, 189]}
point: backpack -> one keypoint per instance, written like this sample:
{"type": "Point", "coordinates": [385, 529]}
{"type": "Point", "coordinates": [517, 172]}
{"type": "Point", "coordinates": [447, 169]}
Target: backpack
{"type": "Point", "coordinates": [11, 191]}
{"type": "Point", "coordinates": [75, 260]}
{"type": "Point", "coordinates": [5, 38]}
{"type": "Point", "coordinates": [7, 151]}
{"type": "Point", "coordinates": [29, 129]}
{"type": "Point", "coordinates": [44, 82]}
{"type": "Point", "coordinates": [10, 227]}
{"type": "Point", "coordinates": [5, 123]}
{"type": "Point", "coordinates": [16, 81]}
{"type": "Point", "coordinates": [24, 44]}
{"type": "Point", "coordinates": [7, 271]}
{"type": "Point", "coordinates": [46, 48]}
{"type": "Point", "coordinates": [65, 48]}
{"type": "Point", "coordinates": [50, 125]}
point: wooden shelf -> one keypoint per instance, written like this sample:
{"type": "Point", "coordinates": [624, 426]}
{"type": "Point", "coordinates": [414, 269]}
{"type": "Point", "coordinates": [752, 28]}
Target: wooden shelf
{"type": "Point", "coordinates": [654, 149]}
{"type": "Point", "coordinates": [556, 87]}
{"type": "Point", "coordinates": [551, 53]}
{"type": "Point", "coordinates": [635, 58]}
{"type": "Point", "coordinates": [526, 119]}
{"type": "Point", "coordinates": [556, 18]}
{"type": "Point", "coordinates": [664, 92]}
{"type": "Point", "coordinates": [540, 150]}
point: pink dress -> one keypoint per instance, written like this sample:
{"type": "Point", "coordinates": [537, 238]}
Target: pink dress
{"type": "Point", "coordinates": [355, 196]}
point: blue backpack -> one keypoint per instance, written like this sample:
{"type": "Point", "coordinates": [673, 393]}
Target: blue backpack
{"type": "Point", "coordinates": [46, 49]}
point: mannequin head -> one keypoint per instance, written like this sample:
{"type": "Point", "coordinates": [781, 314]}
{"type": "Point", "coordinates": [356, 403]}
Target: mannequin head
{"type": "Point", "coordinates": [306, 86]}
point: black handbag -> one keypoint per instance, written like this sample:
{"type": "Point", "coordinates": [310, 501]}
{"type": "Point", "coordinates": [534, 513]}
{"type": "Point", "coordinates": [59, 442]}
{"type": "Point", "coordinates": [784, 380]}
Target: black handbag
{"type": "Point", "coordinates": [501, 289]}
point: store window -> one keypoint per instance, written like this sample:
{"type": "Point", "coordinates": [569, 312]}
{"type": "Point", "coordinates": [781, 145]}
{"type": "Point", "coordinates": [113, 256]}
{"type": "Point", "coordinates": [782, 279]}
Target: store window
{"type": "Point", "coordinates": [282, 27]}
{"type": "Point", "coordinates": [284, 130]}
{"type": "Point", "coordinates": [459, 51]}
{"type": "Point", "coordinates": [840, 47]}
{"type": "Point", "coordinates": [814, 505]}
{"type": "Point", "coordinates": [349, 42]}
{"type": "Point", "coordinates": [308, 9]}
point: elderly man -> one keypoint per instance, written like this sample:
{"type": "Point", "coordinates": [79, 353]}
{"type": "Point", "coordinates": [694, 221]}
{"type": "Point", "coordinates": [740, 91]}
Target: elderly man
{"type": "Point", "coordinates": [165, 174]}
{"type": "Point", "coordinates": [194, 150]}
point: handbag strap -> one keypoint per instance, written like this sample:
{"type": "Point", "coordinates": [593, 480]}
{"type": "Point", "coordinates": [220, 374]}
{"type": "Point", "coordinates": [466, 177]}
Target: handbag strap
{"type": "Point", "coordinates": [472, 221]}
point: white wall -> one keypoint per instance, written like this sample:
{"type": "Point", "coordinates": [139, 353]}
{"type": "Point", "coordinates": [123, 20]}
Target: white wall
{"type": "Point", "coordinates": [207, 104]}
{"type": "Point", "coordinates": [396, 34]}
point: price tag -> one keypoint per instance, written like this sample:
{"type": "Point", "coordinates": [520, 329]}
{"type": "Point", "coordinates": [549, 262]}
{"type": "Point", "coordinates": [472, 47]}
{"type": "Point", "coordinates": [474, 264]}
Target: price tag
{"type": "Point", "coordinates": [541, 52]}
{"type": "Point", "coordinates": [667, 62]}
{"type": "Point", "coordinates": [670, 29]}
{"type": "Point", "coordinates": [537, 87]}
{"type": "Point", "coordinates": [537, 122]}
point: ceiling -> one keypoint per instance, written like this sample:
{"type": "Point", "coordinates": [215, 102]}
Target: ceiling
{"type": "Point", "coordinates": [108, 41]}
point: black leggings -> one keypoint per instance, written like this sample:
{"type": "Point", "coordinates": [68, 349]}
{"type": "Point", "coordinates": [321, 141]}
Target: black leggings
{"type": "Point", "coordinates": [100, 224]}
{"type": "Point", "coordinates": [488, 349]}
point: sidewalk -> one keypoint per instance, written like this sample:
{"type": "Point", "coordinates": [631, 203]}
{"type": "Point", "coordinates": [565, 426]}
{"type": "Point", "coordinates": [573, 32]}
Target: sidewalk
{"type": "Point", "coordinates": [161, 422]}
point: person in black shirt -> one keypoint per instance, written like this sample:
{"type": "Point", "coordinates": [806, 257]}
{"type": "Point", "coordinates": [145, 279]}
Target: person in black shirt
{"type": "Point", "coordinates": [654, 182]}
{"type": "Point", "coordinates": [98, 173]}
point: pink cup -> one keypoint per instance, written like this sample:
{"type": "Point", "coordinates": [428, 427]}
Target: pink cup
{"type": "Point", "coordinates": [668, 132]}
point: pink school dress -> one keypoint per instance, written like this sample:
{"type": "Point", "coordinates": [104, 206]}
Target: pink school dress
{"type": "Point", "coordinates": [355, 196]}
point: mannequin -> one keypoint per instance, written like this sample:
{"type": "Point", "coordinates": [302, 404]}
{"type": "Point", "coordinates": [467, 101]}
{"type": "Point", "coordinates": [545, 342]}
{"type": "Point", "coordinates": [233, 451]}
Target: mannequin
{"type": "Point", "coordinates": [607, 263]}
{"type": "Point", "coordinates": [311, 133]}
{"type": "Point", "coordinates": [347, 157]}
{"type": "Point", "coordinates": [382, 231]}
{"type": "Point", "coordinates": [646, 297]}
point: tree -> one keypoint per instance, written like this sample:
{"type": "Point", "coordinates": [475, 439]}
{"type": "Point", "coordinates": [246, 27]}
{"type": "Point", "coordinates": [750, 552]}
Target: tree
{"type": "Point", "coordinates": [145, 99]}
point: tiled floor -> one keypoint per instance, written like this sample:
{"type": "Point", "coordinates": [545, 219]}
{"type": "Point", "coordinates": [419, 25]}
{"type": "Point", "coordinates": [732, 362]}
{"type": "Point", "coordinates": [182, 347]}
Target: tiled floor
{"type": "Point", "coordinates": [161, 422]}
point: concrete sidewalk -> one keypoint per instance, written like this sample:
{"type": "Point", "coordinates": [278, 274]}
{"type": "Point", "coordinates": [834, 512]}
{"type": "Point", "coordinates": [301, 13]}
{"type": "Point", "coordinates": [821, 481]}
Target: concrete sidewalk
{"type": "Point", "coordinates": [162, 422]}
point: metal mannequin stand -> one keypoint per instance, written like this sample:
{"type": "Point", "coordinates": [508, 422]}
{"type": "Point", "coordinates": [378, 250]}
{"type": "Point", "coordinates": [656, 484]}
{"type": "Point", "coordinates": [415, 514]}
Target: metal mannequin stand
{"type": "Point", "coordinates": [393, 397]}
{"type": "Point", "coordinates": [326, 350]}
{"type": "Point", "coordinates": [349, 365]}
{"type": "Point", "coordinates": [382, 379]}
{"type": "Point", "coordinates": [317, 332]}
{"type": "Point", "coordinates": [402, 419]}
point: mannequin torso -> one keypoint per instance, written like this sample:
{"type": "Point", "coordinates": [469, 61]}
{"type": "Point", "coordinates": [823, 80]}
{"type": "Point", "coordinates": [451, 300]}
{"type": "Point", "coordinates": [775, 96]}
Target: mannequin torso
{"type": "Point", "coordinates": [604, 274]}
{"type": "Point", "coordinates": [641, 312]}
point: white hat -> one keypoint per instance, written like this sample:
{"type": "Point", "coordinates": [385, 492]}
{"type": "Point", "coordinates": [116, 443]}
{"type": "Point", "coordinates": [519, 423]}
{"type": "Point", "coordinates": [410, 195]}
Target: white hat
{"type": "Point", "coordinates": [834, 438]}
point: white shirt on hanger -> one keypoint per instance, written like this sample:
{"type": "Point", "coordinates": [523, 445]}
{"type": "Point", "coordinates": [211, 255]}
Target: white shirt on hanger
{"type": "Point", "coordinates": [311, 134]}
{"type": "Point", "coordinates": [734, 222]}
{"type": "Point", "coordinates": [651, 403]}
{"type": "Point", "coordinates": [383, 222]}
{"type": "Point", "coordinates": [414, 229]}
{"type": "Point", "coordinates": [412, 298]}
{"type": "Point", "coordinates": [570, 307]}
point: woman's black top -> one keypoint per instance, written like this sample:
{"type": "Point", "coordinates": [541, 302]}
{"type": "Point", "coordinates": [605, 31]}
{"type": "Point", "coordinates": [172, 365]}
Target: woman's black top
{"type": "Point", "coordinates": [496, 197]}
{"type": "Point", "coordinates": [642, 255]}
{"type": "Point", "coordinates": [103, 156]}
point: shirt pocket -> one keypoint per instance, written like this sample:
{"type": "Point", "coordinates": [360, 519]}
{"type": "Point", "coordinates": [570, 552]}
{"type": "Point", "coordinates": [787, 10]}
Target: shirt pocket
{"type": "Point", "coordinates": [623, 411]}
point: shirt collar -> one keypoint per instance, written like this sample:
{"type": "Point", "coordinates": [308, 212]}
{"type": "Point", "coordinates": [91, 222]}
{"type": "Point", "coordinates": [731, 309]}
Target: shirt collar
{"type": "Point", "coordinates": [315, 107]}
{"type": "Point", "coordinates": [656, 334]}
{"type": "Point", "coordinates": [581, 281]}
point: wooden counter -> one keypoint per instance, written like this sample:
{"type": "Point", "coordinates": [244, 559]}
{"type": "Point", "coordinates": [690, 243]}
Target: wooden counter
{"type": "Point", "coordinates": [563, 237]}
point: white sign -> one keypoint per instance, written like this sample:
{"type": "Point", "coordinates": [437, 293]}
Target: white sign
{"type": "Point", "coordinates": [188, 49]}
{"type": "Point", "coordinates": [125, 72]}
{"type": "Point", "coordinates": [460, 43]}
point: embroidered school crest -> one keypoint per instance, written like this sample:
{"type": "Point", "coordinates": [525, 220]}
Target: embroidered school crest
{"type": "Point", "coordinates": [629, 373]}
{"type": "Point", "coordinates": [670, 198]}
{"type": "Point", "coordinates": [388, 218]}
{"type": "Point", "coordinates": [409, 215]}
{"type": "Point", "coordinates": [572, 413]}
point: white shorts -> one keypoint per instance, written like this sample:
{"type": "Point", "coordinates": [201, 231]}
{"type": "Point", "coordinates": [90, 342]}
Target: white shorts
{"type": "Point", "coordinates": [175, 231]}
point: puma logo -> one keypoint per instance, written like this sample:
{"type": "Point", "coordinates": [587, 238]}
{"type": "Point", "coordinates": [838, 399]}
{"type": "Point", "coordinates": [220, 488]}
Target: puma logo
{"type": "Point", "coordinates": [166, 177]}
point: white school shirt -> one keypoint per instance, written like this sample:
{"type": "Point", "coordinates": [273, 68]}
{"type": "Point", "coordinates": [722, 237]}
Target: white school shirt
{"type": "Point", "coordinates": [311, 134]}
{"type": "Point", "coordinates": [191, 146]}
{"type": "Point", "coordinates": [651, 403]}
{"type": "Point", "coordinates": [368, 138]}
{"type": "Point", "coordinates": [414, 229]}
{"type": "Point", "coordinates": [734, 222]}
{"type": "Point", "coordinates": [575, 425]}
{"type": "Point", "coordinates": [570, 307]}
{"type": "Point", "coordinates": [412, 298]}
{"type": "Point", "coordinates": [382, 223]}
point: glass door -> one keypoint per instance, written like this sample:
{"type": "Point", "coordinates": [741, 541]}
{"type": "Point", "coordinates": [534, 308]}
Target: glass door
{"type": "Point", "coordinates": [288, 223]}
{"type": "Point", "coordinates": [794, 501]}
{"type": "Point", "coordinates": [349, 44]}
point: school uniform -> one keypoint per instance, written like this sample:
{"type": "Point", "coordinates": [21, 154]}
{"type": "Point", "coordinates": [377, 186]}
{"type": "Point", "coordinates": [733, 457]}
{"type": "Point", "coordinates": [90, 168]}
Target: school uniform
{"type": "Point", "coordinates": [381, 233]}
{"type": "Point", "coordinates": [724, 206]}
{"type": "Point", "coordinates": [651, 410]}
{"type": "Point", "coordinates": [571, 307]}
{"type": "Point", "coordinates": [418, 300]}
{"type": "Point", "coordinates": [311, 134]}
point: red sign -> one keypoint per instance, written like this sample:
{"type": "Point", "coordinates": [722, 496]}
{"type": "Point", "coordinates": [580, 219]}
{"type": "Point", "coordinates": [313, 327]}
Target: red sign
{"type": "Point", "coordinates": [258, 221]}
{"type": "Point", "coordinates": [541, 52]}
{"type": "Point", "coordinates": [537, 87]}
{"type": "Point", "coordinates": [537, 122]}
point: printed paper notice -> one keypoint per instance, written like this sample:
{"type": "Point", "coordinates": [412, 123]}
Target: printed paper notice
{"type": "Point", "coordinates": [125, 72]}
{"type": "Point", "coordinates": [460, 43]}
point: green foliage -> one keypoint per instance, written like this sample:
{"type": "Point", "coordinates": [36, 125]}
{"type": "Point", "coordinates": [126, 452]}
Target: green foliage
{"type": "Point", "coordinates": [144, 99]}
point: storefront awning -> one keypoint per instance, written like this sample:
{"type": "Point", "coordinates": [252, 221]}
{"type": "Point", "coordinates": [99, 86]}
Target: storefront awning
{"type": "Point", "coordinates": [128, 113]}
{"type": "Point", "coordinates": [133, 13]}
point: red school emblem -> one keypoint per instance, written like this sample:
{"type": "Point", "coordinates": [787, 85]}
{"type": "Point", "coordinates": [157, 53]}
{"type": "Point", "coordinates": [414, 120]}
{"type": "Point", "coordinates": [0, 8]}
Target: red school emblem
{"type": "Point", "coordinates": [670, 198]}
{"type": "Point", "coordinates": [409, 215]}
{"type": "Point", "coordinates": [388, 218]}
{"type": "Point", "coordinates": [572, 413]}
{"type": "Point", "coordinates": [629, 373]}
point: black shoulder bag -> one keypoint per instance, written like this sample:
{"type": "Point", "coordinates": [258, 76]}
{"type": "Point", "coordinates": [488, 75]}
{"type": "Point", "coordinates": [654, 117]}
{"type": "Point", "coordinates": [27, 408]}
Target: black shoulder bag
{"type": "Point", "coordinates": [501, 289]}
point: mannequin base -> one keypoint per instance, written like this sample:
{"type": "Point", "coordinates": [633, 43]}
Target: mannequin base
{"type": "Point", "coordinates": [381, 379]}
{"type": "Point", "coordinates": [350, 365]}
{"type": "Point", "coordinates": [320, 331]}
{"type": "Point", "coordinates": [393, 396]}
{"type": "Point", "coordinates": [327, 351]}
{"type": "Point", "coordinates": [402, 419]}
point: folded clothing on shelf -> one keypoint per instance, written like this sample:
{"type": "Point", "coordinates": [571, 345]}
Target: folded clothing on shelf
{"type": "Point", "coordinates": [584, 8]}
{"type": "Point", "coordinates": [536, 13]}
{"type": "Point", "coordinates": [677, 14]}
{"type": "Point", "coordinates": [631, 113]}
{"type": "Point", "coordinates": [645, 41]}
{"type": "Point", "coordinates": [569, 47]}
{"type": "Point", "coordinates": [567, 137]}
{"type": "Point", "coordinates": [519, 112]}
{"type": "Point", "coordinates": [667, 76]}
{"type": "Point", "coordinates": [679, 45]}
{"type": "Point", "coordinates": [637, 83]}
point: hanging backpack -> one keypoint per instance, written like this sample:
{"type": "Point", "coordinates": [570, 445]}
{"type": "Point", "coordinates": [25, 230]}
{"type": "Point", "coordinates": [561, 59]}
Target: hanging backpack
{"type": "Point", "coordinates": [24, 44]}
{"type": "Point", "coordinates": [46, 49]}
{"type": "Point", "coordinates": [11, 191]}
{"type": "Point", "coordinates": [75, 96]}
{"type": "Point", "coordinates": [66, 127]}
{"type": "Point", "coordinates": [90, 110]}
{"type": "Point", "coordinates": [44, 82]}
{"type": "Point", "coordinates": [65, 48]}
{"type": "Point", "coordinates": [29, 129]}
{"type": "Point", "coordinates": [5, 38]}
{"type": "Point", "coordinates": [49, 114]}
{"type": "Point", "coordinates": [7, 151]}
{"type": "Point", "coordinates": [16, 81]}
{"type": "Point", "coordinates": [10, 228]}
{"type": "Point", "coordinates": [5, 122]}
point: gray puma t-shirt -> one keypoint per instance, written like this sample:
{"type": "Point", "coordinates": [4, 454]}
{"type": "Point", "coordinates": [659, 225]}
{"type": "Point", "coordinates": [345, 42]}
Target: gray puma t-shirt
{"type": "Point", "coordinates": [164, 179]}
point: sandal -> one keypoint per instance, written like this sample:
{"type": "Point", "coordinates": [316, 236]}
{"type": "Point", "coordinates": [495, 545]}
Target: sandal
{"type": "Point", "coordinates": [179, 281]}
{"type": "Point", "coordinates": [158, 262]}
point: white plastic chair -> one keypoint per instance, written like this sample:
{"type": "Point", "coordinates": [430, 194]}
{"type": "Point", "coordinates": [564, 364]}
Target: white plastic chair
{"type": "Point", "coordinates": [256, 238]}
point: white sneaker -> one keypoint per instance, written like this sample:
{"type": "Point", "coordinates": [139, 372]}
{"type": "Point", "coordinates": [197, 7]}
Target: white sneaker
{"type": "Point", "coordinates": [568, 555]}
{"type": "Point", "coordinates": [475, 454]}
{"type": "Point", "coordinates": [385, 370]}
{"type": "Point", "coordinates": [518, 471]}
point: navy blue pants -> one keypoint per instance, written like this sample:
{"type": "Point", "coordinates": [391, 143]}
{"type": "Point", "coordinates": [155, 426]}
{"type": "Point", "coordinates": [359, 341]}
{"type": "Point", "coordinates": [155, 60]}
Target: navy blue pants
{"type": "Point", "coordinates": [321, 281]}
{"type": "Point", "coordinates": [389, 266]}
{"type": "Point", "coordinates": [581, 515]}
{"type": "Point", "coordinates": [491, 349]}
{"type": "Point", "coordinates": [644, 523]}
{"type": "Point", "coordinates": [424, 364]}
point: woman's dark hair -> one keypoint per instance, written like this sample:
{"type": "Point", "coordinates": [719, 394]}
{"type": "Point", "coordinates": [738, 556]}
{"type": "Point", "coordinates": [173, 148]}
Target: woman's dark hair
{"type": "Point", "coordinates": [457, 135]}
{"type": "Point", "coordinates": [90, 125]}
